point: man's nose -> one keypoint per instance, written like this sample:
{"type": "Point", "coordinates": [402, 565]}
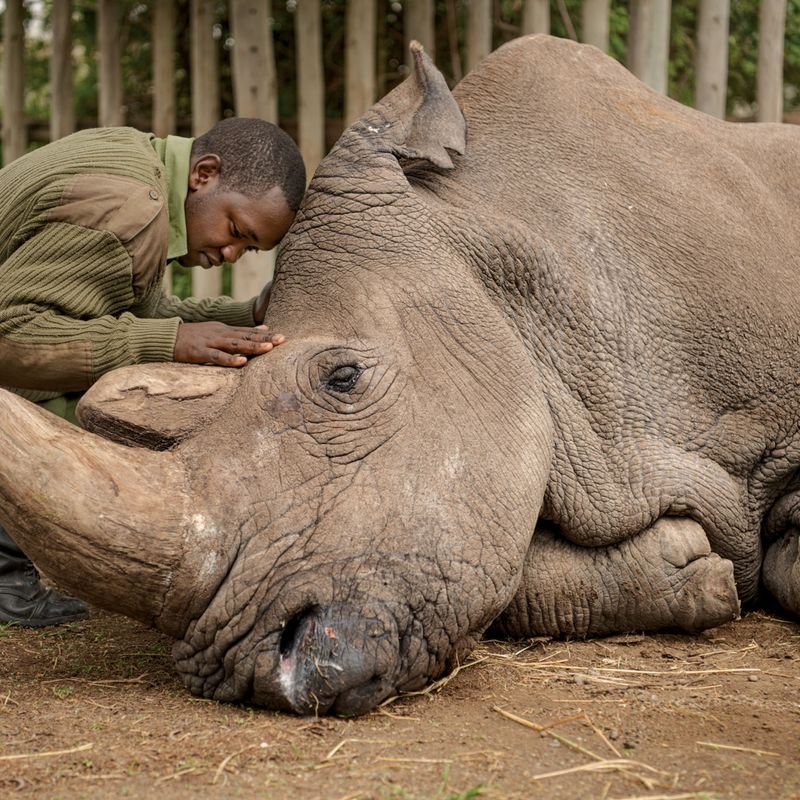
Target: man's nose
{"type": "Point", "coordinates": [232, 252]}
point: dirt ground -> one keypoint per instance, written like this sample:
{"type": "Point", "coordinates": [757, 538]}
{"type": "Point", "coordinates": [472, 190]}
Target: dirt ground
{"type": "Point", "coordinates": [94, 710]}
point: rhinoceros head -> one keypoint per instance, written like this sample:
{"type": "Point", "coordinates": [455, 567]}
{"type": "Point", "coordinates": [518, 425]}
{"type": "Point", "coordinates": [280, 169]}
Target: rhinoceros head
{"type": "Point", "coordinates": [341, 518]}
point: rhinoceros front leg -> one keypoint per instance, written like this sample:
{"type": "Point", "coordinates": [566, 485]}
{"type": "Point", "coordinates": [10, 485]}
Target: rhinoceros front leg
{"type": "Point", "coordinates": [781, 570]}
{"type": "Point", "coordinates": [665, 577]}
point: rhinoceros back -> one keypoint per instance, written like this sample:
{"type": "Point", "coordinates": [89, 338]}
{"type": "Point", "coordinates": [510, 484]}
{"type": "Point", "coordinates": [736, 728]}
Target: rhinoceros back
{"type": "Point", "coordinates": [689, 219]}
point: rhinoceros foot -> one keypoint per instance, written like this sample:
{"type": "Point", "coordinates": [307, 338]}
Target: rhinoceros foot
{"type": "Point", "coordinates": [665, 577]}
{"type": "Point", "coordinates": [781, 570]}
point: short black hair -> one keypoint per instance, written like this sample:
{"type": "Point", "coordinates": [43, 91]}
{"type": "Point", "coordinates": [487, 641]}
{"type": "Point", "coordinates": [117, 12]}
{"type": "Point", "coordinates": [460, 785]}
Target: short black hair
{"type": "Point", "coordinates": [255, 155]}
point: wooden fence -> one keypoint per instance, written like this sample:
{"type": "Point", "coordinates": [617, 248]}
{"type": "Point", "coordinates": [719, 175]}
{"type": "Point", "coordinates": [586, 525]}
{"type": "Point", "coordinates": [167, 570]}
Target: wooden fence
{"type": "Point", "coordinates": [255, 81]}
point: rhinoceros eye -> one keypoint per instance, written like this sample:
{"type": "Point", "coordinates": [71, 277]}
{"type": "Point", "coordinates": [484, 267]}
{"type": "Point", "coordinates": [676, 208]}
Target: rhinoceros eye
{"type": "Point", "coordinates": [342, 379]}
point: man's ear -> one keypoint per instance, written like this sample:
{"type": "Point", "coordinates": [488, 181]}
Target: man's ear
{"type": "Point", "coordinates": [203, 170]}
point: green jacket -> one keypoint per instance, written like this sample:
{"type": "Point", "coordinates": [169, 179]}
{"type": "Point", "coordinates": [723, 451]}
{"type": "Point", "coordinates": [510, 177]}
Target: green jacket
{"type": "Point", "coordinates": [84, 234]}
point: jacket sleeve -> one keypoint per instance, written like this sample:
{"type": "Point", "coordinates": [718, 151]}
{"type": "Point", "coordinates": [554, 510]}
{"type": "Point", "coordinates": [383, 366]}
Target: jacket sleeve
{"type": "Point", "coordinates": [219, 309]}
{"type": "Point", "coordinates": [64, 319]}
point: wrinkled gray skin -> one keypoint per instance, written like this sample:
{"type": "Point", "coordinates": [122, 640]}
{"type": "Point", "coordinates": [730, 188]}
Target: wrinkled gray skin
{"type": "Point", "coordinates": [577, 304]}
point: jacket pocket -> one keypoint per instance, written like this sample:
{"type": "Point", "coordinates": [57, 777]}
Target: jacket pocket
{"type": "Point", "coordinates": [135, 212]}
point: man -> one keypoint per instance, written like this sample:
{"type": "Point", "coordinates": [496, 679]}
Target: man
{"type": "Point", "coordinates": [87, 226]}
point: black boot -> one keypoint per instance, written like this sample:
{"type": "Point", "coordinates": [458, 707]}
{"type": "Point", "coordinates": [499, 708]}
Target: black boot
{"type": "Point", "coordinates": [23, 599]}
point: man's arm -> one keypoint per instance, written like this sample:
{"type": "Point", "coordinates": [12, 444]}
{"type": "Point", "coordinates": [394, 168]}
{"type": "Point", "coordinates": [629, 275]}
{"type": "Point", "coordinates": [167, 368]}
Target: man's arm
{"type": "Point", "coordinates": [64, 318]}
{"type": "Point", "coordinates": [64, 296]}
{"type": "Point", "coordinates": [210, 309]}
{"type": "Point", "coordinates": [216, 330]}
{"type": "Point", "coordinates": [261, 303]}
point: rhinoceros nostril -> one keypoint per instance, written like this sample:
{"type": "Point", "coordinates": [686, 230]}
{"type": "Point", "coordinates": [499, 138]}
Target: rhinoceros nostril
{"type": "Point", "coordinates": [296, 626]}
{"type": "Point", "coordinates": [337, 656]}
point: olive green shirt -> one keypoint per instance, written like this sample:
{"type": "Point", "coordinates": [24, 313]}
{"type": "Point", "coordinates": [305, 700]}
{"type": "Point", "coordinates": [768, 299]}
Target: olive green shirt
{"type": "Point", "coordinates": [175, 153]}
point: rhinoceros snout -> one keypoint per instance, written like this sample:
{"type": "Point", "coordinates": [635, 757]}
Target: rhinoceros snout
{"type": "Point", "coordinates": [335, 659]}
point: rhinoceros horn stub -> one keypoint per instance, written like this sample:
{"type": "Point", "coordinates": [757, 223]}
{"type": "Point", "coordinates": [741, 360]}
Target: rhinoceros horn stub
{"type": "Point", "coordinates": [420, 119]}
{"type": "Point", "coordinates": [156, 405]}
{"type": "Point", "coordinates": [108, 521]}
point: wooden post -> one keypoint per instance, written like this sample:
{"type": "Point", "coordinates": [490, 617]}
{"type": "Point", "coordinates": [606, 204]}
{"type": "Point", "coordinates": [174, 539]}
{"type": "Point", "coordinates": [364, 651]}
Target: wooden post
{"type": "Point", "coordinates": [62, 113]}
{"type": "Point", "coordinates": [536, 17]}
{"type": "Point", "coordinates": [205, 67]}
{"type": "Point", "coordinates": [711, 68]}
{"type": "Point", "coordinates": [164, 117]}
{"type": "Point", "coordinates": [109, 72]}
{"type": "Point", "coordinates": [382, 52]}
{"type": "Point", "coordinates": [418, 23]}
{"type": "Point", "coordinates": [255, 88]}
{"type": "Point", "coordinates": [14, 132]}
{"type": "Point", "coordinates": [452, 40]}
{"type": "Point", "coordinates": [205, 109]}
{"type": "Point", "coordinates": [359, 58]}
{"type": "Point", "coordinates": [479, 32]}
{"type": "Point", "coordinates": [648, 42]}
{"type": "Point", "coordinates": [164, 68]}
{"type": "Point", "coordinates": [310, 83]}
{"type": "Point", "coordinates": [769, 90]}
{"type": "Point", "coordinates": [255, 83]}
{"type": "Point", "coordinates": [594, 18]}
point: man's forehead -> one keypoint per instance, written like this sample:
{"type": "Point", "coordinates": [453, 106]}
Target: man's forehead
{"type": "Point", "coordinates": [258, 217]}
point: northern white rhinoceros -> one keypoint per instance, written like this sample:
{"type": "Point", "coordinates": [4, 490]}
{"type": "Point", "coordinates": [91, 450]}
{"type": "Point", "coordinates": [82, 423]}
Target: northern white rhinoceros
{"type": "Point", "coordinates": [552, 299]}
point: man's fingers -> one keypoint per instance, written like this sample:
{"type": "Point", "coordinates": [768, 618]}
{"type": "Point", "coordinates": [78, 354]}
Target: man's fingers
{"type": "Point", "coordinates": [224, 345]}
{"type": "Point", "coordinates": [249, 345]}
{"type": "Point", "coordinates": [245, 347]}
{"type": "Point", "coordinates": [260, 336]}
{"type": "Point", "coordinates": [260, 333]}
{"type": "Point", "coordinates": [223, 359]}
{"type": "Point", "coordinates": [272, 338]}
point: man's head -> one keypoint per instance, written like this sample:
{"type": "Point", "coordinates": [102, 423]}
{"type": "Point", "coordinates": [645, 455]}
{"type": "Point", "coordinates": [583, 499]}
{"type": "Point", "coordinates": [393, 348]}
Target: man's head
{"type": "Point", "coordinates": [246, 181]}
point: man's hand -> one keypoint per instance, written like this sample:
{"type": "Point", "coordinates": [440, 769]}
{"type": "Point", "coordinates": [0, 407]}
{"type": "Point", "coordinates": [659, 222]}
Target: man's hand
{"type": "Point", "coordinates": [261, 303]}
{"type": "Point", "coordinates": [224, 345]}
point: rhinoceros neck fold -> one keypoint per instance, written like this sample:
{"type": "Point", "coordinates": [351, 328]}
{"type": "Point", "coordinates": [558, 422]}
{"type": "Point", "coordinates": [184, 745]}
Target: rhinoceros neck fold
{"type": "Point", "coordinates": [107, 521]}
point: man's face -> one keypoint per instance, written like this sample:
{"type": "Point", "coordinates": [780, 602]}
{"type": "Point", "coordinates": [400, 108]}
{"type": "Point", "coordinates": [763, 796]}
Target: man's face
{"type": "Point", "coordinates": [221, 225]}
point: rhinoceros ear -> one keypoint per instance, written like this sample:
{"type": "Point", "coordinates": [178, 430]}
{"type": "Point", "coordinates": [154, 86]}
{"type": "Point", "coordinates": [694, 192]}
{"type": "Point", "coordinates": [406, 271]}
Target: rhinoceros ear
{"type": "Point", "coordinates": [420, 119]}
{"type": "Point", "coordinates": [155, 405]}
